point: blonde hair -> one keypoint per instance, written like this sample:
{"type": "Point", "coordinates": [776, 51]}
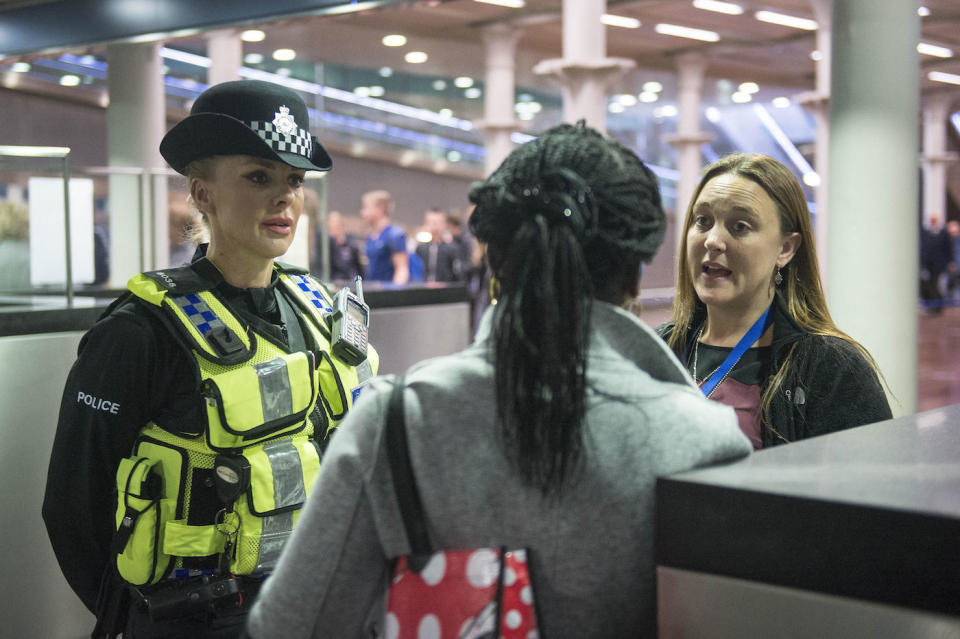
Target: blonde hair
{"type": "Point", "coordinates": [202, 169]}
{"type": "Point", "coordinates": [801, 290]}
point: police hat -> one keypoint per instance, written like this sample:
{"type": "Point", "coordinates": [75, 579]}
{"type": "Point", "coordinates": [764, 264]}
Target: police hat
{"type": "Point", "coordinates": [246, 117]}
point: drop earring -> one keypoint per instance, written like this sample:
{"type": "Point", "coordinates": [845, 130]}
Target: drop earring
{"type": "Point", "coordinates": [778, 278]}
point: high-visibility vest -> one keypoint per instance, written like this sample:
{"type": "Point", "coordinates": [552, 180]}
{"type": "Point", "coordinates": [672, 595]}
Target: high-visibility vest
{"type": "Point", "coordinates": [257, 445]}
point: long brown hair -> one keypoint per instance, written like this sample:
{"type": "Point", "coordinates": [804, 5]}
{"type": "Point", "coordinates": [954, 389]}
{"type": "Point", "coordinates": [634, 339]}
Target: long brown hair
{"type": "Point", "coordinates": [801, 289]}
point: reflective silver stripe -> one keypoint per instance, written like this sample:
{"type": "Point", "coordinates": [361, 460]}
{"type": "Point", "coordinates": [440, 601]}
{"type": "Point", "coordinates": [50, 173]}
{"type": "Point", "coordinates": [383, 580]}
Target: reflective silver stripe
{"type": "Point", "coordinates": [288, 490]}
{"type": "Point", "coordinates": [276, 398]}
{"type": "Point", "coordinates": [364, 371]}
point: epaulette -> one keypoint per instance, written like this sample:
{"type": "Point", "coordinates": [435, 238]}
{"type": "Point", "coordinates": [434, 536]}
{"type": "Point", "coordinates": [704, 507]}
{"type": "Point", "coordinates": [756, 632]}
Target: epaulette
{"type": "Point", "coordinates": [181, 280]}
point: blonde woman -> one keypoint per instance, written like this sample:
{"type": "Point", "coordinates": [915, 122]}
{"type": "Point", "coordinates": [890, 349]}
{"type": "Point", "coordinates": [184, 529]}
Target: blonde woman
{"type": "Point", "coordinates": [194, 418]}
{"type": "Point", "coordinates": [750, 321]}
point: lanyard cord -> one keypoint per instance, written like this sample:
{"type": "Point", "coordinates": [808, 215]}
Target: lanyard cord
{"type": "Point", "coordinates": [749, 339]}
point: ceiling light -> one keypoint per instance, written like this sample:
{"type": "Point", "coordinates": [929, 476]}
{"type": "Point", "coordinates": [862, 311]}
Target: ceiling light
{"type": "Point", "coordinates": [528, 107]}
{"type": "Point", "coordinates": [720, 7]}
{"type": "Point", "coordinates": [526, 115]}
{"type": "Point", "coordinates": [445, 113]}
{"type": "Point", "coordinates": [253, 58]}
{"type": "Point", "coordinates": [187, 58]}
{"type": "Point", "coordinates": [923, 12]}
{"type": "Point", "coordinates": [619, 21]}
{"type": "Point", "coordinates": [376, 91]}
{"type": "Point", "coordinates": [284, 55]}
{"type": "Point", "coordinates": [940, 76]}
{"type": "Point", "coordinates": [648, 96]}
{"type": "Point", "coordinates": [416, 57]}
{"type": "Point", "coordinates": [652, 86]}
{"type": "Point", "coordinates": [687, 32]}
{"type": "Point", "coordinates": [712, 113]}
{"type": "Point", "coordinates": [665, 111]}
{"type": "Point", "coordinates": [513, 4]}
{"type": "Point", "coordinates": [253, 35]}
{"type": "Point", "coordinates": [439, 85]}
{"type": "Point", "coordinates": [463, 82]}
{"type": "Point", "coordinates": [395, 40]}
{"type": "Point", "coordinates": [615, 107]}
{"type": "Point", "coordinates": [811, 178]}
{"type": "Point", "coordinates": [88, 59]}
{"type": "Point", "coordinates": [453, 156]}
{"type": "Point", "coordinates": [69, 80]}
{"type": "Point", "coordinates": [385, 72]}
{"type": "Point", "coordinates": [781, 102]}
{"type": "Point", "coordinates": [284, 71]}
{"type": "Point", "coordinates": [740, 97]}
{"type": "Point", "coordinates": [626, 99]}
{"type": "Point", "coordinates": [472, 93]}
{"type": "Point", "coordinates": [932, 49]}
{"type": "Point", "coordinates": [786, 21]}
{"type": "Point", "coordinates": [816, 55]}
{"type": "Point", "coordinates": [524, 97]}
{"type": "Point", "coordinates": [20, 67]}
{"type": "Point", "coordinates": [748, 87]}
{"type": "Point", "coordinates": [363, 92]}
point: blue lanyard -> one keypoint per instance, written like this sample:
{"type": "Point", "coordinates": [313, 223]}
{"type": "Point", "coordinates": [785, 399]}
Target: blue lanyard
{"type": "Point", "coordinates": [749, 339]}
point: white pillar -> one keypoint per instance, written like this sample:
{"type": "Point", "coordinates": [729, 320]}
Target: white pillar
{"type": "Point", "coordinates": [584, 71]}
{"type": "Point", "coordinates": [872, 236]}
{"type": "Point", "coordinates": [500, 42]}
{"type": "Point", "coordinates": [688, 139]}
{"type": "Point", "coordinates": [225, 50]}
{"type": "Point", "coordinates": [935, 157]}
{"type": "Point", "coordinates": [818, 103]}
{"type": "Point", "coordinates": [136, 122]}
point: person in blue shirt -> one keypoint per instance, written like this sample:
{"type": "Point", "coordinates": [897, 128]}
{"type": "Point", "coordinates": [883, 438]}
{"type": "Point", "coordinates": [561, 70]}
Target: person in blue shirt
{"type": "Point", "coordinates": [387, 259]}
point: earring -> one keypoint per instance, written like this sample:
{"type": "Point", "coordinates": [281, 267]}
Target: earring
{"type": "Point", "coordinates": [494, 290]}
{"type": "Point", "coordinates": [778, 278]}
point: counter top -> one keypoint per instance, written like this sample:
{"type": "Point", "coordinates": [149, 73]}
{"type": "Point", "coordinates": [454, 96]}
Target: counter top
{"type": "Point", "coordinates": [33, 314]}
{"type": "Point", "coordinates": [871, 513]}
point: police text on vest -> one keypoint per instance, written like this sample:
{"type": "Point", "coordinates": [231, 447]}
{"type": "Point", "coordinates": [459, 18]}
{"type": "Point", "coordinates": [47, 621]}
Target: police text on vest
{"type": "Point", "coordinates": [98, 404]}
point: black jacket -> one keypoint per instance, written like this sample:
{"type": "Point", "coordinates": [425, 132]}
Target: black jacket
{"type": "Point", "coordinates": [829, 385]}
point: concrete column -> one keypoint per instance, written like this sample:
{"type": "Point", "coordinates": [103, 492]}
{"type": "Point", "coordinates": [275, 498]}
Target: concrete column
{"type": "Point", "coordinates": [225, 50]}
{"type": "Point", "coordinates": [136, 122]}
{"type": "Point", "coordinates": [688, 139]}
{"type": "Point", "coordinates": [584, 72]}
{"type": "Point", "coordinates": [872, 236]}
{"type": "Point", "coordinates": [818, 103]}
{"type": "Point", "coordinates": [500, 42]}
{"type": "Point", "coordinates": [935, 158]}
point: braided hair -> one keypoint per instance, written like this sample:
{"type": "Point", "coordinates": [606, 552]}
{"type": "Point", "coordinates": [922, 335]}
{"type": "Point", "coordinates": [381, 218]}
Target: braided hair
{"type": "Point", "coordinates": [567, 218]}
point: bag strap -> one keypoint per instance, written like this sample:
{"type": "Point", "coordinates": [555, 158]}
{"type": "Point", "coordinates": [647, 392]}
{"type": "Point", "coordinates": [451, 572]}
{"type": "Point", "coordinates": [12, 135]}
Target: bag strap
{"type": "Point", "coordinates": [404, 484]}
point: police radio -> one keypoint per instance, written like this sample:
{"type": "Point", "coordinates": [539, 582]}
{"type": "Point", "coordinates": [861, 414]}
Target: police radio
{"type": "Point", "coordinates": [348, 325]}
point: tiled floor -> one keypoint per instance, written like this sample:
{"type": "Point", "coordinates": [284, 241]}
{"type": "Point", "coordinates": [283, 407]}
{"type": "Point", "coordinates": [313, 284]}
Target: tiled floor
{"type": "Point", "coordinates": [938, 359]}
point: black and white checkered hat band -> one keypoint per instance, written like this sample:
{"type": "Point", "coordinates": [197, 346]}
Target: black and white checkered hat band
{"type": "Point", "coordinates": [300, 142]}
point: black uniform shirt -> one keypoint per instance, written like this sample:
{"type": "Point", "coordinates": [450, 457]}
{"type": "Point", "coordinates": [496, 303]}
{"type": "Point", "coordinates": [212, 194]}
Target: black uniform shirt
{"type": "Point", "coordinates": [130, 370]}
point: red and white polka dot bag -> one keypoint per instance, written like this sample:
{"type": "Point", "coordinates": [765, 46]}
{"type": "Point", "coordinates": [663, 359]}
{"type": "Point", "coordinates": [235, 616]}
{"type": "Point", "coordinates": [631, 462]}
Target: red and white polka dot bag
{"type": "Point", "coordinates": [484, 593]}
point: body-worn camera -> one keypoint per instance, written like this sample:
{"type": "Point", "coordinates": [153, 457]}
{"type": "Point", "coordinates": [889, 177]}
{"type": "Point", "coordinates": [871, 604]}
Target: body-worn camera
{"type": "Point", "coordinates": [348, 325]}
{"type": "Point", "coordinates": [185, 599]}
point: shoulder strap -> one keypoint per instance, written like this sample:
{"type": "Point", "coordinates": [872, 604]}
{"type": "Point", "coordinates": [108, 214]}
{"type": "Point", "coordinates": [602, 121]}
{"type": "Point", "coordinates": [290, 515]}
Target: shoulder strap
{"type": "Point", "coordinates": [404, 484]}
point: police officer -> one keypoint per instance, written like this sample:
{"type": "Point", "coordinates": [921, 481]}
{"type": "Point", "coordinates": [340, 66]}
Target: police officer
{"type": "Point", "coordinates": [194, 418]}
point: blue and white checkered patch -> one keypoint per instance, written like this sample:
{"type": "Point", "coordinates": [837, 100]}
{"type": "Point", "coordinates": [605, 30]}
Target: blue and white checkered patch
{"type": "Point", "coordinates": [199, 313]}
{"type": "Point", "coordinates": [313, 293]}
{"type": "Point", "coordinates": [300, 142]}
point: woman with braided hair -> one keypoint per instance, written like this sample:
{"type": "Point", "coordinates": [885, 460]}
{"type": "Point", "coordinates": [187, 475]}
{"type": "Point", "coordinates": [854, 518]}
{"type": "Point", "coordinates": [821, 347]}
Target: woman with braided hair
{"type": "Point", "coordinates": [547, 433]}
